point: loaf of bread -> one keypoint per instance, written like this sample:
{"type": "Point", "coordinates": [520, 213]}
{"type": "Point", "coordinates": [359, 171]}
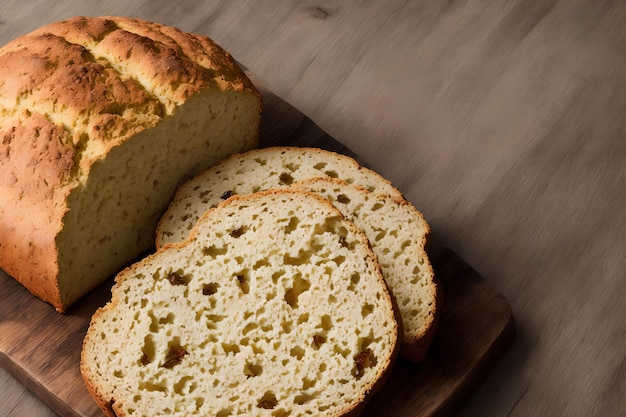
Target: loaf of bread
{"type": "Point", "coordinates": [397, 232]}
{"type": "Point", "coordinates": [257, 170]}
{"type": "Point", "coordinates": [101, 119]}
{"type": "Point", "coordinates": [274, 306]}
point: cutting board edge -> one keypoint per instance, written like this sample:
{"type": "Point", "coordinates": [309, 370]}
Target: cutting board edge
{"type": "Point", "coordinates": [35, 387]}
{"type": "Point", "coordinates": [494, 353]}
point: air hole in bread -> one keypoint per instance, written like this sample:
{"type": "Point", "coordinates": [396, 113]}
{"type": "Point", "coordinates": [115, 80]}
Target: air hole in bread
{"type": "Point", "coordinates": [345, 352]}
{"type": "Point", "coordinates": [326, 322]}
{"type": "Point", "coordinates": [152, 387]}
{"type": "Point", "coordinates": [214, 251]}
{"type": "Point", "coordinates": [354, 280]}
{"type": "Point", "coordinates": [300, 285]}
{"type": "Point", "coordinates": [367, 310]}
{"type": "Point", "coordinates": [280, 412]}
{"type": "Point", "coordinates": [230, 348]}
{"type": "Point", "coordinates": [303, 257]}
{"type": "Point", "coordinates": [184, 386]}
{"type": "Point", "coordinates": [308, 383]}
{"type": "Point", "coordinates": [177, 278]}
{"type": "Point", "coordinates": [292, 167]}
{"type": "Point", "coordinates": [380, 235]}
{"type": "Point", "coordinates": [416, 275]}
{"type": "Point", "coordinates": [305, 398]}
{"type": "Point", "coordinates": [249, 327]}
{"type": "Point", "coordinates": [365, 342]}
{"type": "Point", "coordinates": [329, 226]}
{"type": "Point", "coordinates": [332, 174]}
{"type": "Point", "coordinates": [260, 263]}
{"type": "Point", "coordinates": [169, 319]}
{"type": "Point", "coordinates": [303, 318]}
{"type": "Point", "coordinates": [285, 178]}
{"type": "Point", "coordinates": [149, 350]}
{"type": "Point", "coordinates": [252, 370]}
{"type": "Point", "coordinates": [199, 402]}
{"type": "Point", "coordinates": [154, 322]}
{"type": "Point", "coordinates": [292, 225]}
{"type": "Point", "coordinates": [225, 412]}
{"type": "Point", "coordinates": [215, 318]}
{"type": "Point", "coordinates": [260, 161]}
{"type": "Point", "coordinates": [287, 326]}
{"type": "Point", "coordinates": [297, 352]}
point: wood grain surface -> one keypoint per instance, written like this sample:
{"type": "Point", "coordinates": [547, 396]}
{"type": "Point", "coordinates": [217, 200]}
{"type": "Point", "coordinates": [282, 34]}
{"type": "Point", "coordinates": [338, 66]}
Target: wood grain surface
{"type": "Point", "coordinates": [502, 121]}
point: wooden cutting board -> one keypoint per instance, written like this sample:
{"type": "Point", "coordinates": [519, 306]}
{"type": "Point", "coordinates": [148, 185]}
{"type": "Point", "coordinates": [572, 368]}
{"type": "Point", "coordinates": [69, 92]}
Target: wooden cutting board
{"type": "Point", "coordinates": [41, 347]}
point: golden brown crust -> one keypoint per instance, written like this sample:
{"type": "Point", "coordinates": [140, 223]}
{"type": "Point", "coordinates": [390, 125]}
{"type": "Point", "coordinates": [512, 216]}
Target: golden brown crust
{"type": "Point", "coordinates": [69, 93]}
{"type": "Point", "coordinates": [105, 404]}
{"type": "Point", "coordinates": [417, 350]}
{"type": "Point", "coordinates": [36, 168]}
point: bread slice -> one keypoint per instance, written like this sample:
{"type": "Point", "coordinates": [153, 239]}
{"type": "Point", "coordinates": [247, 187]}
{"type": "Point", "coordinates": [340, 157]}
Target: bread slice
{"type": "Point", "coordinates": [257, 170]}
{"type": "Point", "coordinates": [398, 234]}
{"type": "Point", "coordinates": [101, 119]}
{"type": "Point", "coordinates": [274, 306]}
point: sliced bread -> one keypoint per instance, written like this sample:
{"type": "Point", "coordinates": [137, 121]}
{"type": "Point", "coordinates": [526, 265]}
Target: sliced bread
{"type": "Point", "coordinates": [397, 232]}
{"type": "Point", "coordinates": [274, 306]}
{"type": "Point", "coordinates": [257, 170]}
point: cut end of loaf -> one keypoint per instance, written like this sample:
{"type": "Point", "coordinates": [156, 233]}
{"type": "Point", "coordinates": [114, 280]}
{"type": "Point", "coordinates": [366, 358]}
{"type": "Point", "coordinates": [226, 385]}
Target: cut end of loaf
{"type": "Point", "coordinates": [118, 207]}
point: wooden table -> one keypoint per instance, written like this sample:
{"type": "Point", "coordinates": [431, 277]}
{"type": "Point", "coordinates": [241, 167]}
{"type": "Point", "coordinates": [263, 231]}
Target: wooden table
{"type": "Point", "coordinates": [503, 122]}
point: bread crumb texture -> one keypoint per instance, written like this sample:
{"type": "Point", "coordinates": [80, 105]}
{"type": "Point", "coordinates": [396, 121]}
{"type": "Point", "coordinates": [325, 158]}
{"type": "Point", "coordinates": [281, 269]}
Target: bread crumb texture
{"type": "Point", "coordinates": [397, 232]}
{"type": "Point", "coordinates": [100, 120]}
{"type": "Point", "coordinates": [258, 170]}
{"type": "Point", "coordinates": [275, 307]}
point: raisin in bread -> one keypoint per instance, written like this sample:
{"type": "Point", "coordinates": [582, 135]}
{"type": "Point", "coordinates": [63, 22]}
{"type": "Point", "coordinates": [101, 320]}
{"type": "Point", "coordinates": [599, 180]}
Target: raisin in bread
{"type": "Point", "coordinates": [101, 119]}
{"type": "Point", "coordinates": [398, 233]}
{"type": "Point", "coordinates": [274, 306]}
{"type": "Point", "coordinates": [257, 170]}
